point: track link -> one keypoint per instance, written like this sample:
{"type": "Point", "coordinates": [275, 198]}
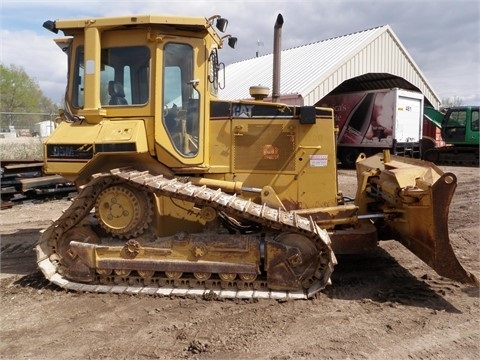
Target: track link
{"type": "Point", "coordinates": [453, 156]}
{"type": "Point", "coordinates": [273, 219]}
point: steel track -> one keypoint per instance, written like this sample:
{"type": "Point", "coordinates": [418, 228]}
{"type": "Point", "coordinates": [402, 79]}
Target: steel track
{"type": "Point", "coordinates": [275, 219]}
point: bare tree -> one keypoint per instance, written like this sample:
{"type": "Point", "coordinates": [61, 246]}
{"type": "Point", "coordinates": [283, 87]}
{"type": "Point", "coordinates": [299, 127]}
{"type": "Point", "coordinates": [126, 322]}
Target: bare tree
{"type": "Point", "coordinates": [452, 101]}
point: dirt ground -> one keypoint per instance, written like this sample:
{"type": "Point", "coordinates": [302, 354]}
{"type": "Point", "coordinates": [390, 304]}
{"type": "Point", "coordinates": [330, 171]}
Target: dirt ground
{"type": "Point", "coordinates": [387, 304]}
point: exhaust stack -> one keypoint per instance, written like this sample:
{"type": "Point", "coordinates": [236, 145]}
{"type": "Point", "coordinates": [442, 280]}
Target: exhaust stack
{"type": "Point", "coordinates": [277, 41]}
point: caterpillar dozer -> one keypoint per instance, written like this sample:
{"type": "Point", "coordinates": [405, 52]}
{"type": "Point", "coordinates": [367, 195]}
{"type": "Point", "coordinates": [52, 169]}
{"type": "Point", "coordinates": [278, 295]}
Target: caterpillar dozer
{"type": "Point", "coordinates": [180, 193]}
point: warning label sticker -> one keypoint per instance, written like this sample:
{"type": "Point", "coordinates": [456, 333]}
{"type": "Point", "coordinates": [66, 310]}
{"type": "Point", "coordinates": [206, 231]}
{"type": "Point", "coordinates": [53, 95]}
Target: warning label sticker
{"type": "Point", "coordinates": [318, 160]}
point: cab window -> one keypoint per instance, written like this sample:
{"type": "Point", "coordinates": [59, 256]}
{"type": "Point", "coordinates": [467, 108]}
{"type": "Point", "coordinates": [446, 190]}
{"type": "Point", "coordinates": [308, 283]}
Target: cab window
{"type": "Point", "coordinates": [124, 77]}
{"type": "Point", "coordinates": [78, 83]}
{"type": "Point", "coordinates": [456, 124]}
{"type": "Point", "coordinates": [474, 120]}
{"type": "Point", "coordinates": [180, 101]}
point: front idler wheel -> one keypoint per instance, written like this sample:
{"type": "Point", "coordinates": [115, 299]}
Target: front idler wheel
{"type": "Point", "coordinates": [291, 262]}
{"type": "Point", "coordinates": [70, 264]}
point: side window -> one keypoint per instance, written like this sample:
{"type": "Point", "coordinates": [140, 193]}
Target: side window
{"type": "Point", "coordinates": [456, 124]}
{"type": "Point", "coordinates": [124, 77]}
{"type": "Point", "coordinates": [475, 120]}
{"type": "Point", "coordinates": [78, 81]}
{"type": "Point", "coordinates": [180, 101]}
{"type": "Point", "coordinates": [457, 118]}
{"type": "Point", "coordinates": [108, 72]}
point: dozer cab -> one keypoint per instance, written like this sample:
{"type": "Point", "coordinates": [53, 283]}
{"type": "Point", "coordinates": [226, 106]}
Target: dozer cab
{"type": "Point", "coordinates": [182, 193]}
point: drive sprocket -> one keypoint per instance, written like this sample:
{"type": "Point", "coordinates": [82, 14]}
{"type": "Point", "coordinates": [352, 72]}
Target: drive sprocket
{"type": "Point", "coordinates": [124, 211]}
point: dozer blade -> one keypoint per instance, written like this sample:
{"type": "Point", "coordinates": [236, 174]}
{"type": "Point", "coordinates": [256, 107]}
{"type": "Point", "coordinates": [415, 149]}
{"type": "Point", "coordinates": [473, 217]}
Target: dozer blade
{"type": "Point", "coordinates": [414, 196]}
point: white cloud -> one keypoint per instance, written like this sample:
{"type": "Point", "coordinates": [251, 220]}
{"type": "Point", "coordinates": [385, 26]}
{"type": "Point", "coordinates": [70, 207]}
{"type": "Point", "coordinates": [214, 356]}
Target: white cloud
{"type": "Point", "coordinates": [39, 56]}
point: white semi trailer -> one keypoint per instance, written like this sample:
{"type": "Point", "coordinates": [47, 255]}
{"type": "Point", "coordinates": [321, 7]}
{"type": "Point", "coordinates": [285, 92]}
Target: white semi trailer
{"type": "Point", "coordinates": [369, 121]}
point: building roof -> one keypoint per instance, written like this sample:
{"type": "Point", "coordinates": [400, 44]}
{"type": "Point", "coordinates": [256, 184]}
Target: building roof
{"type": "Point", "coordinates": [365, 60]}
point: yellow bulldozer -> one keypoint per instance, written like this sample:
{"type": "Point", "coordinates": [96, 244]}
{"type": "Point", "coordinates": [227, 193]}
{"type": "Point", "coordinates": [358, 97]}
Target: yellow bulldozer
{"type": "Point", "coordinates": [182, 193]}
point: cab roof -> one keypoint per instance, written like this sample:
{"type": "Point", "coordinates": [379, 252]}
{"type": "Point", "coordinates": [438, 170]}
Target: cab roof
{"type": "Point", "coordinates": [72, 27]}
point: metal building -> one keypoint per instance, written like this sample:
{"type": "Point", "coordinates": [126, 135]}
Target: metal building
{"type": "Point", "coordinates": [365, 60]}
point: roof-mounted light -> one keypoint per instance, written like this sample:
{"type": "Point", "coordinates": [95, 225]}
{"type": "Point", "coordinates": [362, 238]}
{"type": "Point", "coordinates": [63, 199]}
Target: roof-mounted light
{"type": "Point", "coordinates": [232, 41]}
{"type": "Point", "coordinates": [50, 25]}
{"type": "Point", "coordinates": [221, 23]}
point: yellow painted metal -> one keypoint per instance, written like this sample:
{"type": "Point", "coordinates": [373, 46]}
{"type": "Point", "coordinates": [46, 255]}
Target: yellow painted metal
{"type": "Point", "coordinates": [271, 199]}
{"type": "Point", "coordinates": [73, 27]}
{"type": "Point", "coordinates": [123, 211]}
{"type": "Point", "coordinates": [414, 197]}
{"type": "Point", "coordinates": [220, 146]}
{"type": "Point", "coordinates": [227, 186]}
{"type": "Point", "coordinates": [126, 131]}
{"type": "Point", "coordinates": [92, 75]}
{"type": "Point", "coordinates": [317, 168]}
{"type": "Point", "coordinates": [298, 161]}
{"type": "Point", "coordinates": [86, 136]}
{"type": "Point", "coordinates": [167, 254]}
{"type": "Point", "coordinates": [175, 216]}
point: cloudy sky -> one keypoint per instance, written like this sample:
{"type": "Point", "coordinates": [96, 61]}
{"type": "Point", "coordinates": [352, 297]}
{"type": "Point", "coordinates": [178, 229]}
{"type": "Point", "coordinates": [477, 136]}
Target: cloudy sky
{"type": "Point", "coordinates": [442, 36]}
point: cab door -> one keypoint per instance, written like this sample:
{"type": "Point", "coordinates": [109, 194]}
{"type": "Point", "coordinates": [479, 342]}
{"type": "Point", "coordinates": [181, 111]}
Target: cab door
{"type": "Point", "coordinates": [472, 132]}
{"type": "Point", "coordinates": [180, 90]}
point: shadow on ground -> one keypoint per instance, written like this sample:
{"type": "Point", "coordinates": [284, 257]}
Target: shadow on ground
{"type": "Point", "coordinates": [375, 277]}
{"type": "Point", "coordinates": [379, 277]}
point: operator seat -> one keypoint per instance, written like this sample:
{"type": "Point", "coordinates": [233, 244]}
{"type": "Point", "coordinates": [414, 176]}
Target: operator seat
{"type": "Point", "coordinates": [117, 95]}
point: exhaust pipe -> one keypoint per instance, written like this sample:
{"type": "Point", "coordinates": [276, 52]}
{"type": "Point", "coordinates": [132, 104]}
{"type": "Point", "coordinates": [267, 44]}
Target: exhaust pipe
{"type": "Point", "coordinates": [277, 42]}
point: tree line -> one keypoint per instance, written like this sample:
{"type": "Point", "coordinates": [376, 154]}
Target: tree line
{"type": "Point", "coordinates": [21, 94]}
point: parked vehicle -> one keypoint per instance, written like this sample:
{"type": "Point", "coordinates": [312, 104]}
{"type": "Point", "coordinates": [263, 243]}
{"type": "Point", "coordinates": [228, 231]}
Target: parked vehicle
{"type": "Point", "coordinates": [459, 127]}
{"type": "Point", "coordinates": [370, 121]}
